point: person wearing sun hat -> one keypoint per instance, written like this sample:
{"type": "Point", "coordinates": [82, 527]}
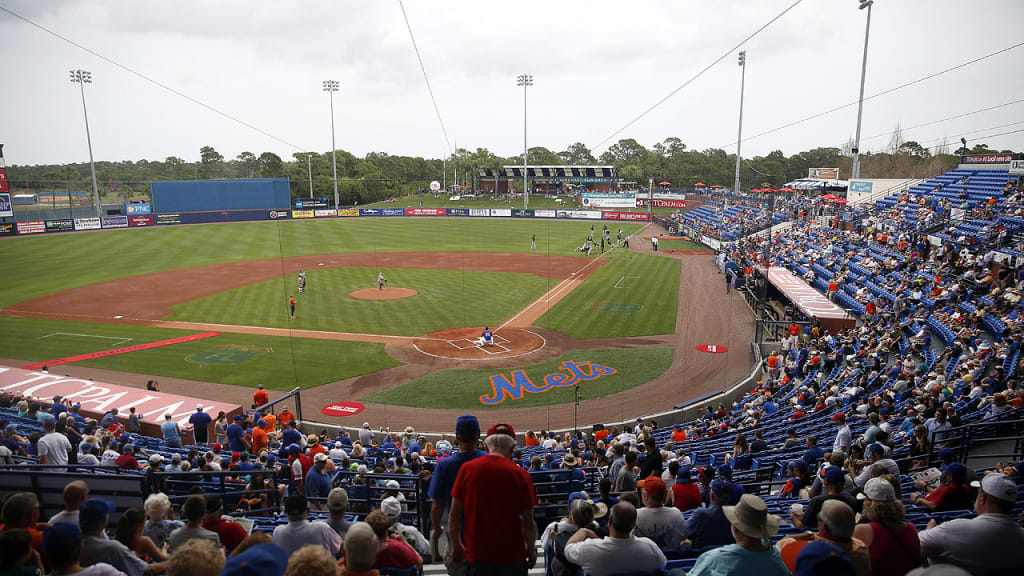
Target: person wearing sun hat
{"type": "Point", "coordinates": [753, 553]}
{"type": "Point", "coordinates": [986, 544]}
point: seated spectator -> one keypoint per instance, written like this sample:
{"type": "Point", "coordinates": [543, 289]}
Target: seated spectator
{"type": "Point", "coordinates": [158, 527]}
{"type": "Point", "coordinates": [311, 560]}
{"type": "Point", "coordinates": [876, 455]}
{"type": "Point", "coordinates": [892, 542]}
{"type": "Point", "coordinates": [96, 548]}
{"type": "Point", "coordinates": [685, 492]}
{"type": "Point", "coordinates": [834, 481]}
{"type": "Point", "coordinates": [820, 558]}
{"type": "Point", "coordinates": [952, 494]}
{"type": "Point", "coordinates": [129, 533]}
{"type": "Point", "coordinates": [663, 525]}
{"type": "Point", "coordinates": [709, 526]}
{"type": "Point", "coordinates": [361, 548]}
{"type": "Point", "coordinates": [581, 515]}
{"type": "Point", "coordinates": [230, 533]}
{"type": "Point", "coordinates": [262, 559]}
{"type": "Point", "coordinates": [193, 511]}
{"type": "Point", "coordinates": [337, 507]}
{"type": "Point", "coordinates": [21, 511]}
{"type": "Point", "coordinates": [299, 531]}
{"type": "Point", "coordinates": [835, 526]}
{"type": "Point", "coordinates": [394, 553]}
{"type": "Point", "coordinates": [392, 508]}
{"type": "Point", "coordinates": [197, 557]}
{"type": "Point", "coordinates": [75, 493]}
{"type": "Point", "coordinates": [983, 544]}
{"type": "Point", "coordinates": [753, 553]}
{"type": "Point", "coordinates": [618, 553]}
{"type": "Point", "coordinates": [17, 557]}
{"type": "Point", "coordinates": [63, 547]}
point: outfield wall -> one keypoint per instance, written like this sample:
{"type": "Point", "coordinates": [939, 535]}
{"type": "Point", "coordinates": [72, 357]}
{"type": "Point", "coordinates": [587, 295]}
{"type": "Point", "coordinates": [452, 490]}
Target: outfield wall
{"type": "Point", "coordinates": [164, 218]}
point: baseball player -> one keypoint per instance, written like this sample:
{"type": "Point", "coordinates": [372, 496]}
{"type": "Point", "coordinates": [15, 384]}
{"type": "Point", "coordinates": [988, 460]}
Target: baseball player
{"type": "Point", "coordinates": [533, 242]}
{"type": "Point", "coordinates": [381, 280]}
{"type": "Point", "coordinates": [291, 303]}
{"type": "Point", "coordinates": [486, 337]}
{"type": "Point", "coordinates": [618, 239]}
{"type": "Point", "coordinates": [302, 281]}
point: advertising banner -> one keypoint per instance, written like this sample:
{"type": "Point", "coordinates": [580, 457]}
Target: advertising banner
{"type": "Point", "coordinates": [3, 176]}
{"type": "Point", "coordinates": [987, 159]}
{"type": "Point", "coordinates": [6, 209]}
{"type": "Point", "coordinates": [823, 173]}
{"type": "Point", "coordinates": [348, 212]}
{"type": "Point", "coordinates": [425, 212]}
{"type": "Point", "coordinates": [394, 212]}
{"type": "Point", "coordinates": [140, 221]}
{"type": "Point", "coordinates": [168, 218]}
{"type": "Point", "coordinates": [579, 180]}
{"type": "Point", "coordinates": [31, 227]}
{"type": "Point", "coordinates": [133, 209]}
{"type": "Point", "coordinates": [504, 212]}
{"type": "Point", "coordinates": [522, 213]}
{"type": "Point", "coordinates": [311, 203]}
{"type": "Point", "coordinates": [302, 213]}
{"type": "Point", "coordinates": [324, 213]}
{"type": "Point", "coordinates": [114, 222]}
{"type": "Point", "coordinates": [87, 224]}
{"type": "Point", "coordinates": [277, 214]}
{"type": "Point", "coordinates": [479, 212]}
{"type": "Point", "coordinates": [458, 211]}
{"type": "Point", "coordinates": [8, 229]}
{"type": "Point", "coordinates": [60, 225]}
{"type": "Point", "coordinates": [642, 202]}
{"type": "Point", "coordinates": [544, 214]}
{"type": "Point", "coordinates": [1016, 167]}
{"type": "Point", "coordinates": [580, 214]}
{"type": "Point", "coordinates": [633, 216]}
{"type": "Point", "coordinates": [861, 186]}
{"type": "Point", "coordinates": [371, 212]}
{"type": "Point", "coordinates": [598, 200]}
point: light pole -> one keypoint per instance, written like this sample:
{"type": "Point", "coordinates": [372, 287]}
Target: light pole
{"type": "Point", "coordinates": [739, 136]}
{"type": "Point", "coordinates": [331, 86]}
{"type": "Point", "coordinates": [524, 80]}
{"type": "Point", "coordinates": [83, 77]}
{"type": "Point", "coordinates": [855, 173]}
{"type": "Point", "coordinates": [309, 169]}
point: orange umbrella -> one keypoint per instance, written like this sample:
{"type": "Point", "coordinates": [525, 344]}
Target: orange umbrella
{"type": "Point", "coordinates": [664, 183]}
{"type": "Point", "coordinates": [700, 184]}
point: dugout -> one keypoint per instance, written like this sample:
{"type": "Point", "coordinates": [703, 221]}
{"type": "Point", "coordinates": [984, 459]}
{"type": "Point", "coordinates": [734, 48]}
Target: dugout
{"type": "Point", "coordinates": [184, 196]}
{"type": "Point", "coordinates": [549, 179]}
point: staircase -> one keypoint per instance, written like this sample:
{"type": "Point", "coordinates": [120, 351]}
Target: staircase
{"type": "Point", "coordinates": [438, 569]}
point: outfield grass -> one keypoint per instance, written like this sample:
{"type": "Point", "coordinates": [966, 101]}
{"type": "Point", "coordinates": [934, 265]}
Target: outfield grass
{"type": "Point", "coordinates": [47, 263]}
{"type": "Point", "coordinates": [445, 299]}
{"type": "Point", "coordinates": [631, 295]}
{"type": "Point", "coordinates": [680, 244]}
{"type": "Point", "coordinates": [281, 363]}
{"type": "Point", "coordinates": [461, 389]}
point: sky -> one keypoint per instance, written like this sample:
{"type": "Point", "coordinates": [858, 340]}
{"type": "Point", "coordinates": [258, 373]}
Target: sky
{"type": "Point", "coordinates": [597, 65]}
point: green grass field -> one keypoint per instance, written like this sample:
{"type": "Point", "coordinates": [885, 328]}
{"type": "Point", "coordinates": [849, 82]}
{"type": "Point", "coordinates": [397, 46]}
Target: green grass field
{"type": "Point", "coordinates": [674, 244]}
{"type": "Point", "coordinates": [631, 295]}
{"type": "Point", "coordinates": [446, 299]}
{"type": "Point", "coordinates": [276, 362]}
{"type": "Point", "coordinates": [461, 389]}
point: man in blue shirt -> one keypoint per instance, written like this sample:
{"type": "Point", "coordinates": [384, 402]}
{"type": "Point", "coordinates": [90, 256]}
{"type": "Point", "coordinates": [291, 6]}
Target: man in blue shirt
{"type": "Point", "coordinates": [813, 453]}
{"type": "Point", "coordinates": [236, 436]}
{"type": "Point", "coordinates": [318, 483]}
{"type": "Point", "coordinates": [467, 433]}
{"type": "Point", "coordinates": [709, 526]}
{"type": "Point", "coordinates": [108, 418]}
{"type": "Point", "coordinates": [290, 435]}
{"type": "Point", "coordinates": [200, 425]}
{"type": "Point", "coordinates": [169, 428]}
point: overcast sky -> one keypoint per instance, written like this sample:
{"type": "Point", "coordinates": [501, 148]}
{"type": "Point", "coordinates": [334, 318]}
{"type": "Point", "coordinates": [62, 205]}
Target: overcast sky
{"type": "Point", "coordinates": [597, 65]}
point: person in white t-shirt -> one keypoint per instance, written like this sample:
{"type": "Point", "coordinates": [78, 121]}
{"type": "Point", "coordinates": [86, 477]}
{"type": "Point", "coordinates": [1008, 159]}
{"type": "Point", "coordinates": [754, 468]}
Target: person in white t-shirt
{"type": "Point", "coordinates": [618, 553]}
{"type": "Point", "coordinates": [54, 447]}
{"type": "Point", "coordinates": [664, 525]}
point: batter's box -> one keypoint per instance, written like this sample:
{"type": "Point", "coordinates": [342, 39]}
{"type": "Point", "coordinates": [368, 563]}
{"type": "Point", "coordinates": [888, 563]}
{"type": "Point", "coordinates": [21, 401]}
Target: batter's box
{"type": "Point", "coordinates": [466, 343]}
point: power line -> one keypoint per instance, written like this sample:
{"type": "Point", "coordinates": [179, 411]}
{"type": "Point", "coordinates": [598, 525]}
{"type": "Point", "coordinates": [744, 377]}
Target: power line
{"type": "Point", "coordinates": [698, 75]}
{"type": "Point", "coordinates": [878, 94]}
{"type": "Point", "coordinates": [948, 118]}
{"type": "Point", "coordinates": [426, 79]}
{"type": "Point", "coordinates": [151, 80]}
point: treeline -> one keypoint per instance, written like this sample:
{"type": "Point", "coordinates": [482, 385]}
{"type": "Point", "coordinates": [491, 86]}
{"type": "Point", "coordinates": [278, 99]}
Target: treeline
{"type": "Point", "coordinates": [379, 175]}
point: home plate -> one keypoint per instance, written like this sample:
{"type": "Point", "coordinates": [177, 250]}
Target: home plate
{"type": "Point", "coordinates": [320, 264]}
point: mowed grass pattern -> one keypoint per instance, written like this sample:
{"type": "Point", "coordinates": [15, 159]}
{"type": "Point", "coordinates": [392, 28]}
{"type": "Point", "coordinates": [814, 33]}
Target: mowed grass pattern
{"type": "Point", "coordinates": [631, 295]}
{"type": "Point", "coordinates": [282, 364]}
{"type": "Point", "coordinates": [445, 299]}
{"type": "Point", "coordinates": [461, 389]}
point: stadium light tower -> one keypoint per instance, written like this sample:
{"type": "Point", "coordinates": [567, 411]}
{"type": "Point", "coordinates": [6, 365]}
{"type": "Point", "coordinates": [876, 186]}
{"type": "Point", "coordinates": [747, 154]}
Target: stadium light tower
{"type": "Point", "coordinates": [83, 77]}
{"type": "Point", "coordinates": [331, 86]}
{"type": "Point", "coordinates": [739, 137]}
{"type": "Point", "coordinates": [855, 173]}
{"type": "Point", "coordinates": [524, 80]}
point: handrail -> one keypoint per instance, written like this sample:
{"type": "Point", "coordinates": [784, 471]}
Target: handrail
{"type": "Point", "coordinates": [296, 392]}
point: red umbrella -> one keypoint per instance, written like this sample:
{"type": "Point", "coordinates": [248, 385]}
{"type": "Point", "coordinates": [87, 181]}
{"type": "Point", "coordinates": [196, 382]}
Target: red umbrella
{"type": "Point", "coordinates": [664, 183]}
{"type": "Point", "coordinates": [715, 186]}
{"type": "Point", "coordinates": [786, 189]}
{"type": "Point", "coordinates": [700, 184]}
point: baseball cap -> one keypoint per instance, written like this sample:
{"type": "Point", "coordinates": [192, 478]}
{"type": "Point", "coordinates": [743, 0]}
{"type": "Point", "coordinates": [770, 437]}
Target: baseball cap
{"type": "Point", "coordinates": [878, 489]}
{"type": "Point", "coordinates": [724, 470]}
{"type": "Point", "coordinates": [391, 507]}
{"type": "Point", "coordinates": [260, 560]}
{"type": "Point", "coordinates": [684, 474]}
{"type": "Point", "coordinates": [294, 449]}
{"type": "Point", "coordinates": [947, 454]}
{"type": "Point", "coordinates": [156, 459]}
{"type": "Point", "coordinates": [820, 558]}
{"type": "Point", "coordinates": [261, 422]}
{"type": "Point", "coordinates": [59, 533]}
{"type": "Point", "coordinates": [834, 475]}
{"type": "Point", "coordinates": [467, 427]}
{"type": "Point", "coordinates": [799, 464]}
{"type": "Point", "coordinates": [839, 417]}
{"type": "Point", "coordinates": [217, 447]}
{"type": "Point", "coordinates": [337, 500]}
{"type": "Point", "coordinates": [502, 429]}
{"type": "Point", "coordinates": [320, 457]}
{"type": "Point", "coordinates": [654, 486]}
{"type": "Point", "coordinates": [295, 505]}
{"type": "Point", "coordinates": [998, 486]}
{"type": "Point", "coordinates": [721, 488]}
{"type": "Point", "coordinates": [578, 495]}
{"type": "Point", "coordinates": [392, 485]}
{"type": "Point", "coordinates": [956, 471]}
{"type": "Point", "coordinates": [94, 510]}
{"type": "Point", "coordinates": [876, 448]}
{"type": "Point", "coordinates": [199, 407]}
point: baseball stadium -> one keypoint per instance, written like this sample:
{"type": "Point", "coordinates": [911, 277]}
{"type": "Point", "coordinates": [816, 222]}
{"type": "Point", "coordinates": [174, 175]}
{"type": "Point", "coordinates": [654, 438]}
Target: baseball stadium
{"type": "Point", "coordinates": [612, 360]}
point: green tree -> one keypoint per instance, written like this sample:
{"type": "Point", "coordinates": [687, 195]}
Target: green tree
{"type": "Point", "coordinates": [577, 154]}
{"type": "Point", "coordinates": [210, 162]}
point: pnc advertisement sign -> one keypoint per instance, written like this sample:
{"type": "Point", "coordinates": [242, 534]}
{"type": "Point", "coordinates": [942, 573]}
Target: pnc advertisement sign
{"type": "Point", "coordinates": [342, 409]}
{"type": "Point", "coordinates": [572, 373]}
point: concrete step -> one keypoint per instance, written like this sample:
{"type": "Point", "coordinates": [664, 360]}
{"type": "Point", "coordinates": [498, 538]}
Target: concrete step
{"type": "Point", "coordinates": [438, 569]}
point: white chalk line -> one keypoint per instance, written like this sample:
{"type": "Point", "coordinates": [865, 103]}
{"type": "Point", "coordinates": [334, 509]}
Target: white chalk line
{"type": "Point", "coordinates": [119, 339]}
{"type": "Point", "coordinates": [543, 344]}
{"type": "Point", "coordinates": [620, 282]}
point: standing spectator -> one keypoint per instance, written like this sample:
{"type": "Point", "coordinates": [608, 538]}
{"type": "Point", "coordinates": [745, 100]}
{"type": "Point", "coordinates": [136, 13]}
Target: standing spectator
{"type": "Point", "coordinates": [260, 397]}
{"type": "Point", "coordinates": [169, 428]}
{"type": "Point", "coordinates": [260, 439]}
{"type": "Point", "coordinates": [652, 462]}
{"type": "Point", "coordinates": [337, 506]}
{"type": "Point", "coordinates": [220, 428]}
{"type": "Point", "coordinates": [986, 544]}
{"type": "Point", "coordinates": [300, 532]}
{"type": "Point", "coordinates": [285, 417]}
{"type": "Point", "coordinates": [663, 525]}
{"type": "Point", "coordinates": [236, 436]}
{"type": "Point", "coordinates": [230, 533]}
{"type": "Point", "coordinates": [753, 553]}
{"type": "Point", "coordinates": [63, 546]}
{"type": "Point", "coordinates": [843, 437]}
{"type": "Point", "coordinates": [618, 553]}
{"type": "Point", "coordinates": [133, 421]}
{"type": "Point", "coordinates": [625, 481]}
{"type": "Point", "coordinates": [194, 511]}
{"type": "Point", "coordinates": [317, 483]}
{"type": "Point", "coordinates": [54, 447]}
{"type": "Point", "coordinates": [75, 493]}
{"type": "Point", "coordinates": [500, 532]}
{"type": "Point", "coordinates": [365, 434]}
{"type": "Point", "coordinates": [96, 548]}
{"type": "Point", "coordinates": [891, 541]}
{"type": "Point", "coordinates": [200, 425]}
{"type": "Point", "coordinates": [467, 433]}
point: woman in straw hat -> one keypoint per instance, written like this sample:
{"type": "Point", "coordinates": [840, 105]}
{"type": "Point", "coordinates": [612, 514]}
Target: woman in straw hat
{"type": "Point", "coordinates": [753, 553]}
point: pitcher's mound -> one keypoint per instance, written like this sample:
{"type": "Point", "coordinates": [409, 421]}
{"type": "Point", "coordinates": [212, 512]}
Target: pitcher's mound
{"type": "Point", "coordinates": [388, 293]}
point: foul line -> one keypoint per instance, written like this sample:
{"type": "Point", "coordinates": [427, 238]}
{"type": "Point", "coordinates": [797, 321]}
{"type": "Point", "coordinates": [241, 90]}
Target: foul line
{"type": "Point", "coordinates": [116, 351]}
{"type": "Point", "coordinates": [620, 282]}
{"type": "Point", "coordinates": [118, 338]}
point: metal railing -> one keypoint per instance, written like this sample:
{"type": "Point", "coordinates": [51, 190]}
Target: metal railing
{"type": "Point", "coordinates": [295, 393]}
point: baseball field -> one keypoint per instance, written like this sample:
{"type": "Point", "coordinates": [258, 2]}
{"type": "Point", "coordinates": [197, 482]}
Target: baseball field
{"type": "Point", "coordinates": [607, 323]}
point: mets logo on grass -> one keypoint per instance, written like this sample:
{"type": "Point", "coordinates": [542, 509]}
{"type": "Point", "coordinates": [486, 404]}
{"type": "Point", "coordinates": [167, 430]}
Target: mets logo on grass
{"type": "Point", "coordinates": [230, 354]}
{"type": "Point", "coordinates": [572, 373]}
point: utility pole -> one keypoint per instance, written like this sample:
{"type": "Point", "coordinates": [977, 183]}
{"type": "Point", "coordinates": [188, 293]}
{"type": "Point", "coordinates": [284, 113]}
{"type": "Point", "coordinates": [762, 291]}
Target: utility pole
{"type": "Point", "coordinates": [83, 77]}
{"type": "Point", "coordinates": [860, 101]}
{"type": "Point", "coordinates": [739, 136]}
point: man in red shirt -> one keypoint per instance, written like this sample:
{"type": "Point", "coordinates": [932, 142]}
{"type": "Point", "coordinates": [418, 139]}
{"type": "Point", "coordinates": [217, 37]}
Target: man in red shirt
{"type": "Point", "coordinates": [231, 533]}
{"type": "Point", "coordinates": [285, 417]}
{"type": "Point", "coordinates": [260, 397]}
{"type": "Point", "coordinates": [497, 498]}
{"type": "Point", "coordinates": [127, 460]}
{"type": "Point", "coordinates": [259, 437]}
{"type": "Point", "coordinates": [685, 492]}
{"type": "Point", "coordinates": [951, 495]}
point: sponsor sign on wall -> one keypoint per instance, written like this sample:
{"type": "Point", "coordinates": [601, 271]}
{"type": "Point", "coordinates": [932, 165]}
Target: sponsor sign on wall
{"type": "Point", "coordinates": [7, 229]}
{"type": "Point", "coordinates": [425, 212]}
{"type": "Point", "coordinates": [342, 409]}
{"type": "Point", "coordinates": [6, 209]}
{"type": "Point", "coordinates": [861, 186]}
{"type": "Point", "coordinates": [324, 213]}
{"type": "Point", "coordinates": [522, 213]}
{"type": "Point", "coordinates": [1016, 167]}
{"type": "Point", "coordinates": [580, 214]}
{"type": "Point", "coordinates": [987, 159]}
{"type": "Point", "coordinates": [634, 216]}
{"type": "Point", "coordinates": [348, 212]}
{"type": "Point", "coordinates": [661, 202]}
{"type": "Point", "coordinates": [458, 211]}
{"type": "Point", "coordinates": [371, 212]}
{"type": "Point", "coordinates": [711, 349]}
{"type": "Point", "coordinates": [544, 213]}
{"type": "Point", "coordinates": [394, 212]}
{"type": "Point", "coordinates": [823, 173]}
{"type": "Point", "coordinates": [599, 200]}
{"type": "Point", "coordinates": [311, 203]}
{"type": "Point", "coordinates": [31, 227]}
{"type": "Point", "coordinates": [277, 214]}
{"type": "Point", "coordinates": [302, 213]}
{"type": "Point", "coordinates": [506, 212]}
{"type": "Point", "coordinates": [168, 218]}
{"type": "Point", "coordinates": [60, 225]}
{"type": "Point", "coordinates": [140, 221]}
{"type": "Point", "coordinates": [114, 222]}
{"type": "Point", "coordinates": [479, 212]}
{"type": "Point", "coordinates": [143, 208]}
{"type": "Point", "coordinates": [87, 224]}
